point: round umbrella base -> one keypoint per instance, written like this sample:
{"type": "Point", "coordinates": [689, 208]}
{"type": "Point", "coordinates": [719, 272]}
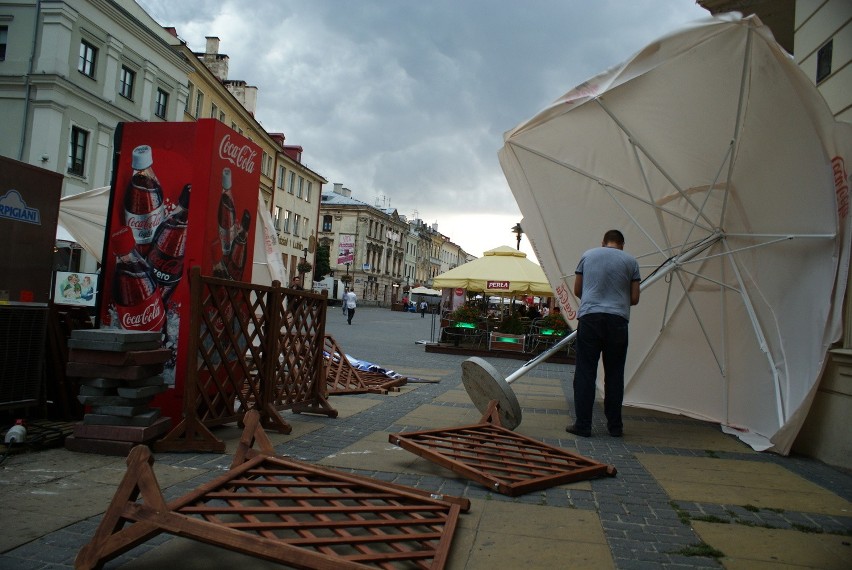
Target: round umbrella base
{"type": "Point", "coordinates": [483, 384]}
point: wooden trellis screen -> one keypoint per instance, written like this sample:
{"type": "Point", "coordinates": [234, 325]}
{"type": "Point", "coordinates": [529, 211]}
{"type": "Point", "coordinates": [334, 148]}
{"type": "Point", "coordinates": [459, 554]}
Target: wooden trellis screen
{"type": "Point", "coordinates": [343, 378]}
{"type": "Point", "coordinates": [502, 460]}
{"type": "Point", "coordinates": [283, 510]}
{"type": "Point", "coordinates": [255, 347]}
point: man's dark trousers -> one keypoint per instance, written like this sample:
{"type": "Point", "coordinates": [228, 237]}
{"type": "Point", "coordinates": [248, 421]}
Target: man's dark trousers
{"type": "Point", "coordinates": [600, 333]}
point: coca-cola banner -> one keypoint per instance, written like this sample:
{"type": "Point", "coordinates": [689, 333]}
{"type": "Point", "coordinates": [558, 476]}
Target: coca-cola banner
{"type": "Point", "coordinates": [183, 195]}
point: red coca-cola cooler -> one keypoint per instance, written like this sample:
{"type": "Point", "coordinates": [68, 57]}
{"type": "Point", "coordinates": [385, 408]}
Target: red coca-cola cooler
{"type": "Point", "coordinates": [183, 195]}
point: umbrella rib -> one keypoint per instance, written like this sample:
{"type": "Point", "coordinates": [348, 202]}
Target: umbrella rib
{"type": "Point", "coordinates": [709, 192]}
{"type": "Point", "coordinates": [700, 323]}
{"type": "Point", "coordinates": [761, 338]}
{"type": "Point", "coordinates": [657, 214]}
{"type": "Point", "coordinates": [634, 142]}
{"type": "Point", "coordinates": [738, 121]}
{"type": "Point", "coordinates": [607, 184]}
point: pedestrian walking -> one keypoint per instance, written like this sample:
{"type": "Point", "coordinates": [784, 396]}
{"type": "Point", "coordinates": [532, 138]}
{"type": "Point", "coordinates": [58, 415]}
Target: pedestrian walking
{"type": "Point", "coordinates": [349, 304]}
{"type": "Point", "coordinates": [607, 284]}
{"type": "Point", "coordinates": [343, 301]}
{"type": "Point", "coordinates": [423, 306]}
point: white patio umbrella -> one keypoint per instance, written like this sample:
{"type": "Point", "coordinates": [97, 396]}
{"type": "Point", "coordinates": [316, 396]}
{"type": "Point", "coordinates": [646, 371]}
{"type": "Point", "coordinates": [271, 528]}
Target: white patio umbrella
{"type": "Point", "coordinates": [719, 160]}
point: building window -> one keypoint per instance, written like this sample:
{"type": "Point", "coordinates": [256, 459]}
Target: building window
{"type": "Point", "coordinates": [277, 219]}
{"type": "Point", "coordinates": [161, 105]}
{"type": "Point", "coordinates": [299, 187]}
{"type": "Point", "coordinates": [214, 111]}
{"type": "Point", "coordinates": [292, 183]}
{"type": "Point", "coordinates": [308, 191]}
{"type": "Point", "coordinates": [326, 223]}
{"type": "Point", "coordinates": [285, 225]}
{"type": "Point", "coordinates": [305, 223]}
{"type": "Point", "coordinates": [77, 151]}
{"type": "Point", "coordinates": [189, 98]}
{"type": "Point", "coordinates": [4, 39]}
{"type": "Point", "coordinates": [297, 220]}
{"type": "Point", "coordinates": [280, 182]}
{"type": "Point", "coordinates": [126, 80]}
{"type": "Point", "coordinates": [824, 61]}
{"type": "Point", "coordinates": [199, 103]}
{"type": "Point", "coordinates": [88, 59]}
{"type": "Point", "coordinates": [222, 116]}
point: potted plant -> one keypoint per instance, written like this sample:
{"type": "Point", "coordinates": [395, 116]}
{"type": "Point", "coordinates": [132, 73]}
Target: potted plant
{"type": "Point", "coordinates": [304, 266]}
{"type": "Point", "coordinates": [466, 314]}
{"type": "Point", "coordinates": [346, 278]}
{"type": "Point", "coordinates": [554, 322]}
{"type": "Point", "coordinates": [511, 324]}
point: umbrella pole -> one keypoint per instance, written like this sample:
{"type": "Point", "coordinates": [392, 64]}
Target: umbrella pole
{"type": "Point", "coordinates": [661, 272]}
{"type": "Point", "coordinates": [484, 383]}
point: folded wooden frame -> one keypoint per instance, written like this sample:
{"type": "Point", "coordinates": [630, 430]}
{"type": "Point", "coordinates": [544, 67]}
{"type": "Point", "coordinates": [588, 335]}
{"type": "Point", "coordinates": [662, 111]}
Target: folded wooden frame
{"type": "Point", "coordinates": [283, 510]}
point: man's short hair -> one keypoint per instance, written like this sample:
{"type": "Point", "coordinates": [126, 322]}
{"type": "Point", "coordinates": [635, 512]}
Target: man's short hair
{"type": "Point", "coordinates": [614, 236]}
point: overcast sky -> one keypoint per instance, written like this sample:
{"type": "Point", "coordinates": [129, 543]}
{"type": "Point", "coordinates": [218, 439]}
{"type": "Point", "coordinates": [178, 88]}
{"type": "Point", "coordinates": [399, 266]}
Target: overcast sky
{"type": "Point", "coordinates": [405, 102]}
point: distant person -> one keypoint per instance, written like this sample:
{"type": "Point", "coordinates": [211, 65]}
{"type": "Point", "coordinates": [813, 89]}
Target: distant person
{"type": "Point", "coordinates": [423, 306]}
{"type": "Point", "coordinates": [343, 301]}
{"type": "Point", "coordinates": [533, 313]}
{"type": "Point", "coordinates": [349, 304]}
{"type": "Point", "coordinates": [607, 284]}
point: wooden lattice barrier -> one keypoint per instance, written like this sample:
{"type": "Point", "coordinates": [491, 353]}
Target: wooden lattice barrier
{"type": "Point", "coordinates": [502, 460]}
{"type": "Point", "coordinates": [343, 378]}
{"type": "Point", "coordinates": [250, 347]}
{"type": "Point", "coordinates": [281, 510]}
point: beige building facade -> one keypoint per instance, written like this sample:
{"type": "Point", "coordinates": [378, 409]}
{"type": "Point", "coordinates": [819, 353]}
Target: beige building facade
{"type": "Point", "coordinates": [383, 252]}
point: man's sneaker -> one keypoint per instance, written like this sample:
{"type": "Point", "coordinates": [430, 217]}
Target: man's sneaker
{"type": "Point", "coordinates": [579, 431]}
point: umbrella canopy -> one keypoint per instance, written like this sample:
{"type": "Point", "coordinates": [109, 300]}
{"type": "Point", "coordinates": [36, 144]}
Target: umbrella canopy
{"type": "Point", "coordinates": [722, 165]}
{"type": "Point", "coordinates": [425, 291]}
{"type": "Point", "coordinates": [502, 270]}
{"type": "Point", "coordinates": [83, 217]}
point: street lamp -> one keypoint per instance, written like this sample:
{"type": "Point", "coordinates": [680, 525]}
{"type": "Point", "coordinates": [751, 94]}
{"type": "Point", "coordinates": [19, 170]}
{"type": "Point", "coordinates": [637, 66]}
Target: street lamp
{"type": "Point", "coordinates": [518, 231]}
{"type": "Point", "coordinates": [305, 261]}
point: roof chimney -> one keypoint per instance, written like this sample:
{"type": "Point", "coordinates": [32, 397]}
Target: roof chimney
{"type": "Point", "coordinates": [338, 188]}
{"type": "Point", "coordinates": [212, 45]}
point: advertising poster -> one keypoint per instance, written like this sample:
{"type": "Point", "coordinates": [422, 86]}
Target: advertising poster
{"type": "Point", "coordinates": [75, 288]}
{"type": "Point", "coordinates": [184, 195]}
{"type": "Point", "coordinates": [346, 249]}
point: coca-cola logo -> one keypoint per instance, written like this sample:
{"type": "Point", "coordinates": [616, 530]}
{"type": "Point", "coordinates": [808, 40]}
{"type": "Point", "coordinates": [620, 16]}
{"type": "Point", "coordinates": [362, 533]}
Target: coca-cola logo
{"type": "Point", "coordinates": [565, 302]}
{"type": "Point", "coordinates": [145, 224]}
{"type": "Point", "coordinates": [241, 156]}
{"type": "Point", "coordinates": [150, 315]}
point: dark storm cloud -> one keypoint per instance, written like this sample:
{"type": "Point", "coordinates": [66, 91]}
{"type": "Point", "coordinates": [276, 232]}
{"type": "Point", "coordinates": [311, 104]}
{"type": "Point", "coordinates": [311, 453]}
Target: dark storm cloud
{"type": "Point", "coordinates": [409, 100]}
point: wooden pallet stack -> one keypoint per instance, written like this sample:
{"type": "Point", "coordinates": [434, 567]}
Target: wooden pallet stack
{"type": "Point", "coordinates": [119, 373]}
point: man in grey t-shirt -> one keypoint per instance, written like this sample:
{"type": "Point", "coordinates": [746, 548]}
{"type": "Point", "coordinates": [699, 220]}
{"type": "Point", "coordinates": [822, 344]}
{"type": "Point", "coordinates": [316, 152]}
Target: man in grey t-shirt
{"type": "Point", "coordinates": [607, 283]}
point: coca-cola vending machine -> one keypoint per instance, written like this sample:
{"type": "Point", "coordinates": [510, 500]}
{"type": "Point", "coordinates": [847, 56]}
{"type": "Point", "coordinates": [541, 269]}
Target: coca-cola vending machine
{"type": "Point", "coordinates": [183, 195]}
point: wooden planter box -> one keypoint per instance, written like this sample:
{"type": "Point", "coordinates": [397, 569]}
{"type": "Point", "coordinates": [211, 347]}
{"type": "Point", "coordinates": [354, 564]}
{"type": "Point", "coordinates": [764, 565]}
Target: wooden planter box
{"type": "Point", "coordinates": [505, 341]}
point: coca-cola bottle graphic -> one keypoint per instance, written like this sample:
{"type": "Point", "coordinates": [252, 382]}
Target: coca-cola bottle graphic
{"type": "Point", "coordinates": [143, 200]}
{"type": "Point", "coordinates": [134, 290]}
{"type": "Point", "coordinates": [168, 246]}
{"type": "Point", "coordinates": [237, 259]}
{"type": "Point", "coordinates": [227, 215]}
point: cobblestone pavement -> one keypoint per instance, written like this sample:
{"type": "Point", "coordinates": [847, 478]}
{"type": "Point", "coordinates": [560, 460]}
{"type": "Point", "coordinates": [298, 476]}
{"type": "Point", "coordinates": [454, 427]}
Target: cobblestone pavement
{"type": "Point", "coordinates": [656, 513]}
